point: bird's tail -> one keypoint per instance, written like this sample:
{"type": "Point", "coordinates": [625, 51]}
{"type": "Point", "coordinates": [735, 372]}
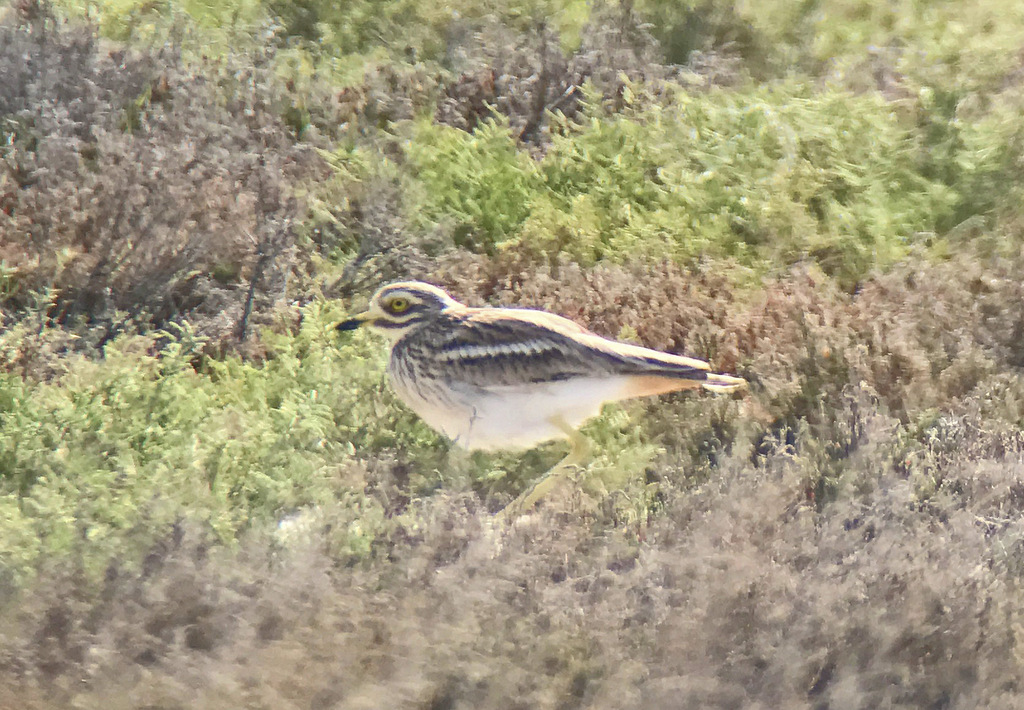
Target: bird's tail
{"type": "Point", "coordinates": [723, 384]}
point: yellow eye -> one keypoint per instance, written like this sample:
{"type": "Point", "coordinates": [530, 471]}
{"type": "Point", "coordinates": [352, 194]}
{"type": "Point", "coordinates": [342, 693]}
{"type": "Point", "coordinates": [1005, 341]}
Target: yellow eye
{"type": "Point", "coordinates": [398, 305]}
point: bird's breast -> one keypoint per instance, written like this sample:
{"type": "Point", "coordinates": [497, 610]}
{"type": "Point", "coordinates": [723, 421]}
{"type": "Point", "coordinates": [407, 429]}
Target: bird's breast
{"type": "Point", "coordinates": [503, 416]}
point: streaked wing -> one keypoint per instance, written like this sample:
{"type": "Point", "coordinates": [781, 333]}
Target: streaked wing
{"type": "Point", "coordinates": [492, 347]}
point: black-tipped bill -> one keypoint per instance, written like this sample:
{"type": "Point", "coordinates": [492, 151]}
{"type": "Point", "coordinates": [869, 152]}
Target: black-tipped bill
{"type": "Point", "coordinates": [351, 323]}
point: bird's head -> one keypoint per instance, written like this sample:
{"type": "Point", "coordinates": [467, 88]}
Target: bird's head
{"type": "Point", "coordinates": [398, 308]}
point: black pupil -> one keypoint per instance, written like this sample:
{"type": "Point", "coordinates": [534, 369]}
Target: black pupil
{"type": "Point", "coordinates": [398, 304]}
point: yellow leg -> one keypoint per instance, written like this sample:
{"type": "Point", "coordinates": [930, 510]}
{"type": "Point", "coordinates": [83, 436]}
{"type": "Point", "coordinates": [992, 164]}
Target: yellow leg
{"type": "Point", "coordinates": [579, 452]}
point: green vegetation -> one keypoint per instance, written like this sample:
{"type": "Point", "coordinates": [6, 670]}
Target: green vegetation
{"type": "Point", "coordinates": [207, 492]}
{"type": "Point", "coordinates": [767, 177]}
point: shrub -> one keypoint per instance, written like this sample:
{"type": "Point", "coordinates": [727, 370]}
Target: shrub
{"type": "Point", "coordinates": [911, 45]}
{"type": "Point", "coordinates": [528, 76]}
{"type": "Point", "coordinates": [895, 48]}
{"type": "Point", "coordinates": [114, 449]}
{"type": "Point", "coordinates": [185, 525]}
{"type": "Point", "coordinates": [132, 191]}
{"type": "Point", "coordinates": [920, 342]}
{"type": "Point", "coordinates": [478, 180]}
{"type": "Point", "coordinates": [739, 593]}
{"type": "Point", "coordinates": [764, 177]}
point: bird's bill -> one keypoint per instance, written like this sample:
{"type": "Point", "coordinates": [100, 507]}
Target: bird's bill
{"type": "Point", "coordinates": [357, 320]}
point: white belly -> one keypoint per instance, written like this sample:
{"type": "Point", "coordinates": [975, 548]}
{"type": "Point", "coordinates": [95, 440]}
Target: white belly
{"type": "Point", "coordinates": [515, 417]}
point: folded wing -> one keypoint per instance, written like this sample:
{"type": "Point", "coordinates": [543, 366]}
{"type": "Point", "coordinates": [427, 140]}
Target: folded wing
{"type": "Point", "coordinates": [489, 348]}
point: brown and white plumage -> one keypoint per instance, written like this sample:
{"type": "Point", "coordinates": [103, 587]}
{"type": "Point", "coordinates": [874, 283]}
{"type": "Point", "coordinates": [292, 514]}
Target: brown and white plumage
{"type": "Point", "coordinates": [506, 378]}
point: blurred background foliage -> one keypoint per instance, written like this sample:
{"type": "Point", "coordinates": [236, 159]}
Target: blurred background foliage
{"type": "Point", "coordinates": [823, 197]}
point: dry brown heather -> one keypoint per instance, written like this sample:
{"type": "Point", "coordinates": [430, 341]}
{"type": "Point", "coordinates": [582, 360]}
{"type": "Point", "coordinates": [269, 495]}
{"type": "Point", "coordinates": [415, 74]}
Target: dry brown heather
{"type": "Point", "coordinates": [135, 191]}
{"type": "Point", "coordinates": [741, 594]}
{"type": "Point", "coordinates": [858, 560]}
{"type": "Point", "coordinates": [849, 536]}
{"type": "Point", "coordinates": [921, 336]}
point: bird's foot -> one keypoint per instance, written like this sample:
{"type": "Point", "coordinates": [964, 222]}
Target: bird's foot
{"type": "Point", "coordinates": [579, 453]}
{"type": "Point", "coordinates": [533, 495]}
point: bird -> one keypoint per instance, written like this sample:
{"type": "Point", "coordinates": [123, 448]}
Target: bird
{"type": "Point", "coordinates": [494, 379]}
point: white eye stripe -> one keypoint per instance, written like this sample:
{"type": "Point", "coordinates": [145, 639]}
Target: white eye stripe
{"type": "Point", "coordinates": [466, 352]}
